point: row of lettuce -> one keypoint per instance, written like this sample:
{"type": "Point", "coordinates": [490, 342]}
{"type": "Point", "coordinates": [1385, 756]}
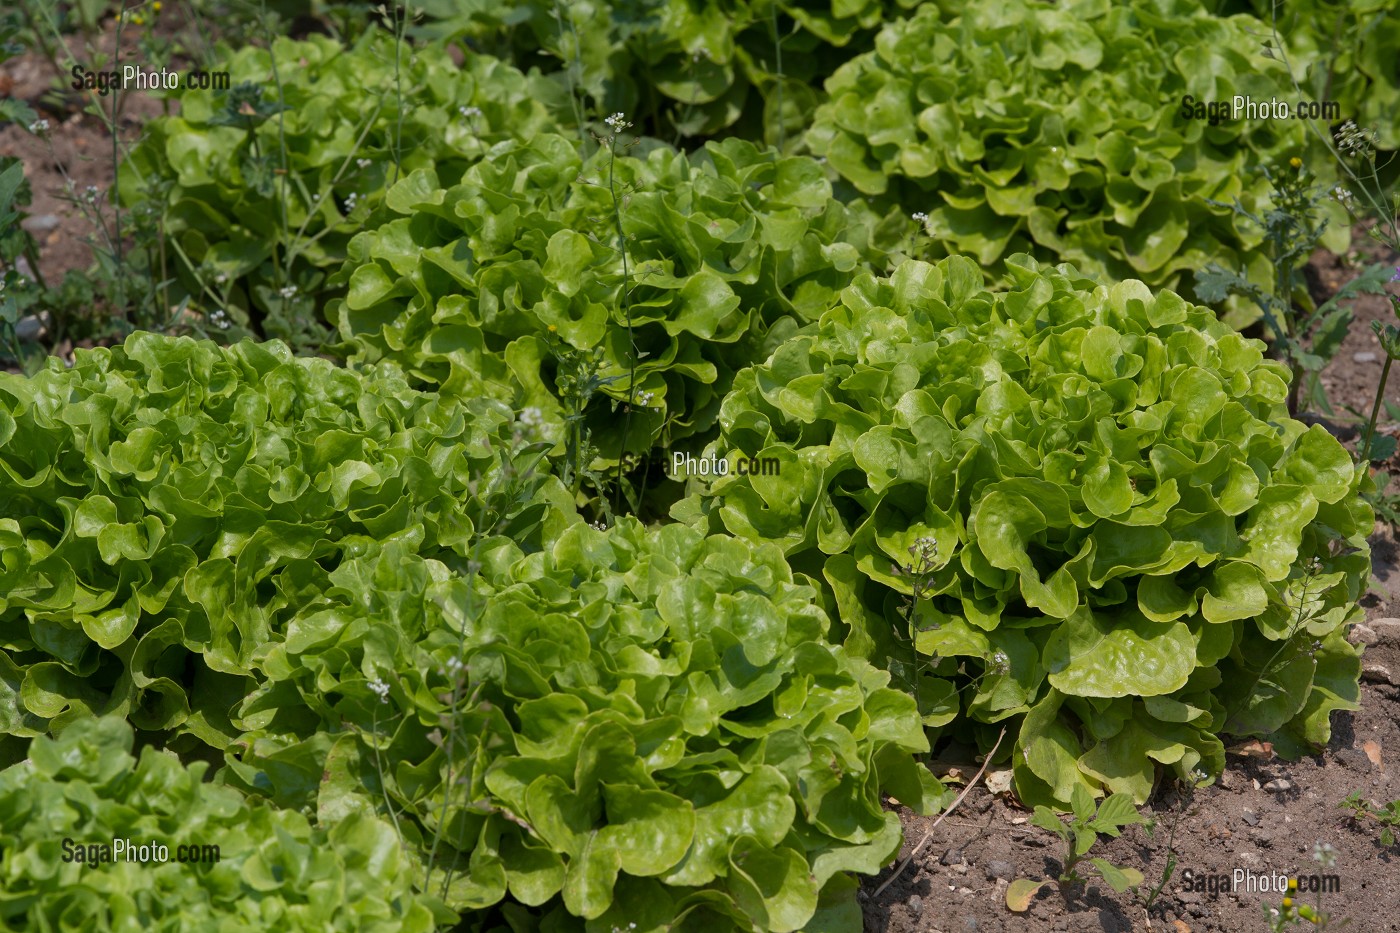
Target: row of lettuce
{"type": "Point", "coordinates": [380, 611]}
{"type": "Point", "coordinates": [1031, 127]}
{"type": "Point", "coordinates": [375, 605]}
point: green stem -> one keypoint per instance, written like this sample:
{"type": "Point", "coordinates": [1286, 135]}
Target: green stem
{"type": "Point", "coordinates": [399, 21]}
{"type": "Point", "coordinates": [778, 51]}
{"type": "Point", "coordinates": [1375, 413]}
{"type": "Point", "coordinates": [627, 310]}
{"type": "Point", "coordinates": [569, 75]}
{"type": "Point", "coordinates": [116, 162]}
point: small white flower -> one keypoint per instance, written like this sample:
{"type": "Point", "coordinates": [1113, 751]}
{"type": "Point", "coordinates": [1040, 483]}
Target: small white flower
{"type": "Point", "coordinates": [288, 291]}
{"type": "Point", "coordinates": [363, 163]}
{"type": "Point", "coordinates": [1000, 662]}
{"type": "Point", "coordinates": [219, 319]}
{"type": "Point", "coordinates": [469, 113]}
{"type": "Point", "coordinates": [455, 665]}
{"type": "Point", "coordinates": [1344, 197]}
{"type": "Point", "coordinates": [352, 200]}
{"type": "Point", "coordinates": [90, 194]}
{"type": "Point", "coordinates": [920, 216]}
{"type": "Point", "coordinates": [617, 122]}
{"type": "Point", "coordinates": [39, 127]}
{"type": "Point", "coordinates": [1324, 854]}
{"type": "Point", "coordinates": [599, 525]}
{"type": "Point", "coordinates": [1354, 141]}
{"type": "Point", "coordinates": [643, 398]}
{"type": "Point", "coordinates": [381, 688]}
{"type": "Point", "coordinates": [220, 279]}
{"type": "Point", "coordinates": [531, 417]}
{"type": "Point", "coordinates": [1197, 776]}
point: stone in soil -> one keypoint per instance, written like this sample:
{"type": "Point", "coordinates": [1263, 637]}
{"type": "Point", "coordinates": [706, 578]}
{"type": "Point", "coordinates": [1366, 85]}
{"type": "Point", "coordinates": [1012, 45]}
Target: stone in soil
{"type": "Point", "coordinates": [999, 869]}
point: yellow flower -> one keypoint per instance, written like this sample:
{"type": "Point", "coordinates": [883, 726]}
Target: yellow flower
{"type": "Point", "coordinates": [552, 328]}
{"type": "Point", "coordinates": [156, 6]}
{"type": "Point", "coordinates": [1296, 162]}
{"type": "Point", "coordinates": [1288, 902]}
{"type": "Point", "coordinates": [138, 20]}
{"type": "Point", "coordinates": [1292, 884]}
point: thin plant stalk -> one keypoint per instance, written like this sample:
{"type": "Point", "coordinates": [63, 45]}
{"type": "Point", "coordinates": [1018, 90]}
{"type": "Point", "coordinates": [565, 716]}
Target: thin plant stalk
{"type": "Point", "coordinates": [627, 311]}
{"type": "Point", "coordinates": [1297, 627]}
{"type": "Point", "coordinates": [1375, 411]}
{"type": "Point", "coordinates": [277, 271]}
{"type": "Point", "coordinates": [116, 158]}
{"type": "Point", "coordinates": [778, 52]}
{"type": "Point", "coordinates": [569, 72]}
{"type": "Point", "coordinates": [1389, 221]}
{"type": "Point", "coordinates": [400, 17]}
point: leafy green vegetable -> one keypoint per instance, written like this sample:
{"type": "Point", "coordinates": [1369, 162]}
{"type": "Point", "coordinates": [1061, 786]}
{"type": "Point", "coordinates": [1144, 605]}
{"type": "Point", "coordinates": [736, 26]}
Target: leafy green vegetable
{"type": "Point", "coordinates": [73, 817]}
{"type": "Point", "coordinates": [166, 506]}
{"type": "Point", "coordinates": [262, 186]}
{"type": "Point", "coordinates": [482, 288]}
{"type": "Point", "coordinates": [632, 726]}
{"type": "Point", "coordinates": [679, 68]}
{"type": "Point", "coordinates": [1057, 129]}
{"type": "Point", "coordinates": [1136, 548]}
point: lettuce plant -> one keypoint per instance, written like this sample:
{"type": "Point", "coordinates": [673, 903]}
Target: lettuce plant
{"type": "Point", "coordinates": [485, 287]}
{"type": "Point", "coordinates": [684, 69]}
{"type": "Point", "coordinates": [262, 186]}
{"type": "Point", "coordinates": [641, 727]}
{"type": "Point", "coordinates": [1057, 129]}
{"type": "Point", "coordinates": [1133, 548]}
{"type": "Point", "coordinates": [167, 505]}
{"type": "Point", "coordinates": [72, 814]}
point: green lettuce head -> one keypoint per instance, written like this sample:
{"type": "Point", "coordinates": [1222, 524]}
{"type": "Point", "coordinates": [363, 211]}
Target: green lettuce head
{"type": "Point", "coordinates": [1058, 129]}
{"type": "Point", "coordinates": [1121, 543]}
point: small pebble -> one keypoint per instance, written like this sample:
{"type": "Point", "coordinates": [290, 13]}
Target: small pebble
{"type": "Point", "coordinates": [999, 869]}
{"type": "Point", "coordinates": [1376, 673]}
{"type": "Point", "coordinates": [43, 223]}
{"type": "Point", "coordinates": [1250, 817]}
{"type": "Point", "coordinates": [1278, 785]}
{"type": "Point", "coordinates": [916, 903]}
{"type": "Point", "coordinates": [1354, 758]}
{"type": "Point", "coordinates": [1365, 356]}
{"type": "Point", "coordinates": [951, 857]}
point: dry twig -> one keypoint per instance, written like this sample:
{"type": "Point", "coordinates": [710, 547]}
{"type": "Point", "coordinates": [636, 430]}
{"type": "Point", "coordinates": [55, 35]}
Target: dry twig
{"type": "Point", "coordinates": [942, 816]}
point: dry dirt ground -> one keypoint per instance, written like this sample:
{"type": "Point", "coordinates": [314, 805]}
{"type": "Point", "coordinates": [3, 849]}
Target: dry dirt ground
{"type": "Point", "coordinates": [1264, 816]}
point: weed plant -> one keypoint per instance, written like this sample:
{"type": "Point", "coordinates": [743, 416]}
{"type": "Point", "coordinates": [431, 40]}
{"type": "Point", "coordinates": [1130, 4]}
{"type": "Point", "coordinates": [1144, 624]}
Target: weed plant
{"type": "Point", "coordinates": [1087, 823]}
{"type": "Point", "coordinates": [1387, 816]}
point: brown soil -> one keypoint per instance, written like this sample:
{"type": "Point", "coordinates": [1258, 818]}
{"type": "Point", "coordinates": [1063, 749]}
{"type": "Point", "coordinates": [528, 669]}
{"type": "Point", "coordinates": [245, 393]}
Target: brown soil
{"type": "Point", "coordinates": [1236, 824]}
{"type": "Point", "coordinates": [1352, 377]}
{"type": "Point", "coordinates": [78, 146]}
